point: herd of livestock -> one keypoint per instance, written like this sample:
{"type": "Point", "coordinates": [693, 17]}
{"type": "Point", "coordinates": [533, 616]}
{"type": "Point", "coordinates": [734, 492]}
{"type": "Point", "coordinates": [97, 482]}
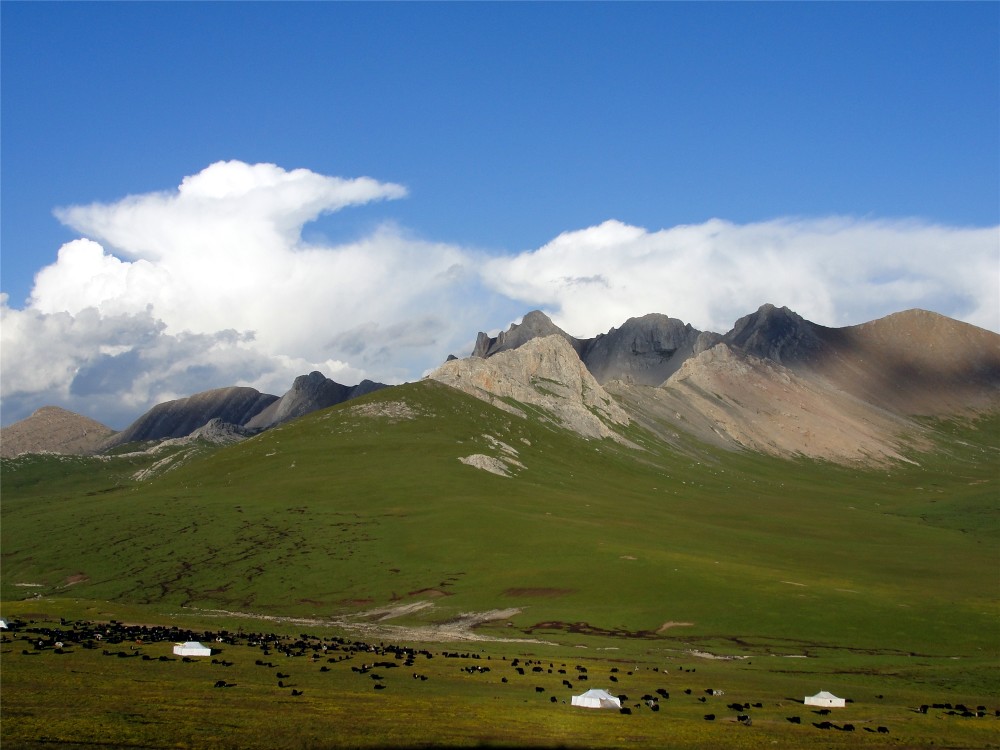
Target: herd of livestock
{"type": "Point", "coordinates": [120, 640]}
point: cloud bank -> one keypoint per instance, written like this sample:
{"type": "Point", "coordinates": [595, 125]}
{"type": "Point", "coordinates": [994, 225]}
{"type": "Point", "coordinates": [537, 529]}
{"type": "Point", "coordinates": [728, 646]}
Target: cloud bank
{"type": "Point", "coordinates": [168, 294]}
{"type": "Point", "coordinates": [833, 271]}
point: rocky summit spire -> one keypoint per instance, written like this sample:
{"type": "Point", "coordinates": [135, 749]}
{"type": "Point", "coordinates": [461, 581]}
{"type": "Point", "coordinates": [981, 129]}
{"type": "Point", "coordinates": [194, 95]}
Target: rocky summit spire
{"type": "Point", "coordinates": [535, 324]}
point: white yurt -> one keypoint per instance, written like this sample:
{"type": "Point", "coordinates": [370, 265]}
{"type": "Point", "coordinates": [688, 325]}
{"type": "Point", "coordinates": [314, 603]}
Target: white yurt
{"type": "Point", "coordinates": [192, 648]}
{"type": "Point", "coordinates": [825, 699]}
{"type": "Point", "coordinates": [596, 699]}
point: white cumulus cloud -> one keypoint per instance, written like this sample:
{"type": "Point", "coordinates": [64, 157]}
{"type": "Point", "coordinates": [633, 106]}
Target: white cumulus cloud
{"type": "Point", "coordinates": [212, 284]}
{"type": "Point", "coordinates": [832, 271]}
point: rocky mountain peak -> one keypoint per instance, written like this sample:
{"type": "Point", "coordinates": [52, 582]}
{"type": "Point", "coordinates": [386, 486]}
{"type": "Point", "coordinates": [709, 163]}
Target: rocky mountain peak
{"type": "Point", "coordinates": [52, 429]}
{"type": "Point", "coordinates": [775, 333]}
{"type": "Point", "coordinates": [535, 324]}
{"type": "Point", "coordinates": [545, 372]}
{"type": "Point", "coordinates": [645, 350]}
{"type": "Point", "coordinates": [309, 393]}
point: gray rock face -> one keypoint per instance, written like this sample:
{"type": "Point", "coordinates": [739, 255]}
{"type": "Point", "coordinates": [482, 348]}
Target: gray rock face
{"type": "Point", "coordinates": [777, 334]}
{"type": "Point", "coordinates": [534, 325]}
{"type": "Point", "coordinates": [173, 419]}
{"type": "Point", "coordinates": [645, 350]}
{"type": "Point", "coordinates": [221, 433]}
{"type": "Point", "coordinates": [309, 393]}
{"type": "Point", "coordinates": [544, 372]}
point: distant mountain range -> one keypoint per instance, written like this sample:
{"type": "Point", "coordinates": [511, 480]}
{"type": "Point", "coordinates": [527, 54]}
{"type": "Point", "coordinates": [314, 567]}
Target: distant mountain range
{"type": "Point", "coordinates": [227, 412]}
{"type": "Point", "coordinates": [775, 383]}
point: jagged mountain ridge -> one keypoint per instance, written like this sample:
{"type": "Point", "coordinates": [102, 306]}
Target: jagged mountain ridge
{"type": "Point", "coordinates": [915, 362]}
{"type": "Point", "coordinates": [780, 384]}
{"type": "Point", "coordinates": [242, 407]}
{"type": "Point", "coordinates": [775, 383]}
{"type": "Point", "coordinates": [645, 350]}
{"type": "Point", "coordinates": [219, 415]}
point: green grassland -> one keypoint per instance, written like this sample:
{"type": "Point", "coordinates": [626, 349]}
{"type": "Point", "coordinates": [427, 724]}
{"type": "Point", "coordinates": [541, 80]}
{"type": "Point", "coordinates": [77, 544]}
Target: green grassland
{"type": "Point", "coordinates": [868, 581]}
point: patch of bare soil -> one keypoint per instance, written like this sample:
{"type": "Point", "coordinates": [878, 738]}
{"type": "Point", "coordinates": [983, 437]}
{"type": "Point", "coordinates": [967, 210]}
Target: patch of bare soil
{"type": "Point", "coordinates": [671, 624]}
{"type": "Point", "coordinates": [715, 657]}
{"type": "Point", "coordinates": [394, 411]}
{"type": "Point", "coordinates": [77, 578]}
{"type": "Point", "coordinates": [373, 624]}
{"type": "Point", "coordinates": [459, 628]}
{"type": "Point", "coordinates": [486, 463]}
{"type": "Point", "coordinates": [433, 593]}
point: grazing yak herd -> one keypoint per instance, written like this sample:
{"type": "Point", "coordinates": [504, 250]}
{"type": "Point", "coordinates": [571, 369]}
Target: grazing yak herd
{"type": "Point", "coordinates": [118, 640]}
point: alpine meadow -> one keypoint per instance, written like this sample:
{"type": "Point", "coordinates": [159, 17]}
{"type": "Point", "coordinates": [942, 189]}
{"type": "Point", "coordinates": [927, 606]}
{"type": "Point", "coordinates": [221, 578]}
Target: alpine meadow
{"type": "Point", "coordinates": [446, 563]}
{"type": "Point", "coordinates": [500, 375]}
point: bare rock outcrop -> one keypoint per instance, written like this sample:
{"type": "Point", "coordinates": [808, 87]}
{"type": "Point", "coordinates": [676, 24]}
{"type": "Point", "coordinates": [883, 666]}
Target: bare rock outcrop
{"type": "Point", "coordinates": [534, 325]}
{"type": "Point", "coordinates": [777, 334]}
{"type": "Point", "coordinates": [220, 433]}
{"type": "Point", "coordinates": [52, 429]}
{"type": "Point", "coordinates": [645, 350]}
{"type": "Point", "coordinates": [545, 373]}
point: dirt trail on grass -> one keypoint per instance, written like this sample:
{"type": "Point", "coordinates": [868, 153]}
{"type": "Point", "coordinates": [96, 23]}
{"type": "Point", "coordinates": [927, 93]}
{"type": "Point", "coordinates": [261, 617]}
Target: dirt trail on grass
{"type": "Point", "coordinates": [374, 623]}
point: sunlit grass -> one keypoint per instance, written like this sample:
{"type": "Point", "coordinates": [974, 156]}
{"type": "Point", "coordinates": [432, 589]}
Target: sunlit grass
{"type": "Point", "coordinates": [884, 578]}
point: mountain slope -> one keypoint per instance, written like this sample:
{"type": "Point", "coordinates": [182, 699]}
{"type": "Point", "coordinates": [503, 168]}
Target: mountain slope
{"type": "Point", "coordinates": [847, 394]}
{"type": "Point", "coordinates": [780, 384]}
{"type": "Point", "coordinates": [352, 511]}
{"type": "Point", "coordinates": [543, 372]}
{"type": "Point", "coordinates": [733, 399]}
{"type": "Point", "coordinates": [644, 350]}
{"type": "Point", "coordinates": [308, 393]}
{"type": "Point", "coordinates": [916, 362]}
{"type": "Point", "coordinates": [53, 430]}
{"type": "Point", "coordinates": [181, 417]}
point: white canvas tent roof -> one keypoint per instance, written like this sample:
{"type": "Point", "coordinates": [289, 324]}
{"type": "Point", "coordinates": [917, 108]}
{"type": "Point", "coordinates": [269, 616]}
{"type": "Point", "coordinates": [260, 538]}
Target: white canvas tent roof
{"type": "Point", "coordinates": [596, 698]}
{"type": "Point", "coordinates": [192, 648]}
{"type": "Point", "coordinates": [823, 698]}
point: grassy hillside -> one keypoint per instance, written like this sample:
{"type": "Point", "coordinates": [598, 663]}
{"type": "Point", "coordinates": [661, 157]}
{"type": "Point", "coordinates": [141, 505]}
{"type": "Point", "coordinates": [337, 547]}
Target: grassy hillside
{"type": "Point", "coordinates": [637, 563]}
{"type": "Point", "coordinates": [359, 507]}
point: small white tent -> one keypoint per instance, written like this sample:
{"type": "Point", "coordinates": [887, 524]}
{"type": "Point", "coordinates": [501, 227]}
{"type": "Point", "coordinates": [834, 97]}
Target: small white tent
{"type": "Point", "coordinates": [825, 699]}
{"type": "Point", "coordinates": [192, 648]}
{"type": "Point", "coordinates": [596, 699]}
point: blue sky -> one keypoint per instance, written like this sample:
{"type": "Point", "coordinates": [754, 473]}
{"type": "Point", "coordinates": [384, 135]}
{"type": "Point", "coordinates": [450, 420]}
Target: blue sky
{"type": "Point", "coordinates": [840, 158]}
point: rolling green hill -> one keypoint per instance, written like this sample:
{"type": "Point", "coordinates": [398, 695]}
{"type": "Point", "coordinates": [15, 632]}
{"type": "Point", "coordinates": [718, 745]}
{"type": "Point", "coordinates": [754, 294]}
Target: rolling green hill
{"type": "Point", "coordinates": [367, 506]}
